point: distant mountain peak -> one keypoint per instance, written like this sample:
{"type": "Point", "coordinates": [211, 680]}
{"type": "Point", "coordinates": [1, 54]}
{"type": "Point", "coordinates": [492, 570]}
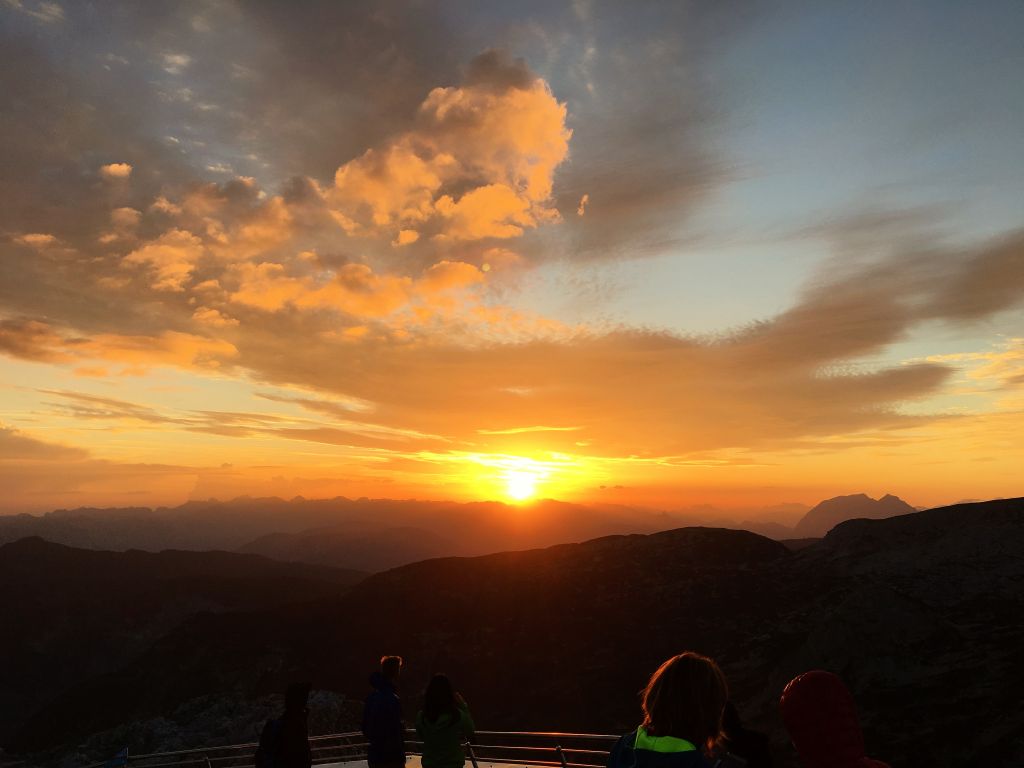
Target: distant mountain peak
{"type": "Point", "coordinates": [830, 512]}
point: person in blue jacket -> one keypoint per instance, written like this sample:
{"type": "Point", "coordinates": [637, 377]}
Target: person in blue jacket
{"type": "Point", "coordinates": [382, 717]}
{"type": "Point", "coordinates": [682, 706]}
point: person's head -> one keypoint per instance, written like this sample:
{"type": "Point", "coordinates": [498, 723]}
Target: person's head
{"type": "Point", "coordinates": [821, 717]}
{"type": "Point", "coordinates": [438, 698]}
{"type": "Point", "coordinates": [391, 667]}
{"type": "Point", "coordinates": [685, 698]}
{"type": "Point", "coordinates": [296, 697]}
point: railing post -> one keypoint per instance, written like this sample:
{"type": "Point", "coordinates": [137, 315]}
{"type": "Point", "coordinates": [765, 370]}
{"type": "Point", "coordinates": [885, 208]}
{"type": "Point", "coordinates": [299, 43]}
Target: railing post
{"type": "Point", "coordinates": [472, 755]}
{"type": "Point", "coordinates": [561, 755]}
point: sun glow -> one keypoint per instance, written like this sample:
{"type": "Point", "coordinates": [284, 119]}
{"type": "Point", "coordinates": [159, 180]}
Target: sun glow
{"type": "Point", "coordinates": [520, 484]}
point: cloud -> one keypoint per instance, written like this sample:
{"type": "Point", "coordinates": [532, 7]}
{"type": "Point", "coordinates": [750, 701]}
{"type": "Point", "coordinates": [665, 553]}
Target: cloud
{"type": "Point", "coordinates": [213, 317]}
{"type": "Point", "coordinates": [17, 445]}
{"type": "Point", "coordinates": [525, 430]}
{"type": "Point", "coordinates": [36, 239]}
{"type": "Point", "coordinates": [116, 171]}
{"type": "Point", "coordinates": [46, 12]}
{"type": "Point", "coordinates": [85, 406]}
{"type": "Point", "coordinates": [29, 339]}
{"type": "Point", "coordinates": [175, 63]}
{"type": "Point", "coordinates": [36, 340]}
{"type": "Point", "coordinates": [172, 257]}
{"type": "Point", "coordinates": [494, 142]}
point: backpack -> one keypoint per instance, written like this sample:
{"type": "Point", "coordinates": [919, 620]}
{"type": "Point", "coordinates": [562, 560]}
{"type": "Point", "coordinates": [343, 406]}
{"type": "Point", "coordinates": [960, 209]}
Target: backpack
{"type": "Point", "coordinates": [270, 743]}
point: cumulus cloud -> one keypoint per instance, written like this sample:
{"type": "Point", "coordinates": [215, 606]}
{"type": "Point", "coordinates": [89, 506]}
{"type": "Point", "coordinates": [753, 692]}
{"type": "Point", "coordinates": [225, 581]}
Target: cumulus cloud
{"type": "Point", "coordinates": [172, 257]}
{"type": "Point", "coordinates": [213, 317]}
{"type": "Point", "coordinates": [352, 289]}
{"type": "Point", "coordinates": [36, 239]}
{"type": "Point", "coordinates": [478, 164]}
{"type": "Point", "coordinates": [116, 170]}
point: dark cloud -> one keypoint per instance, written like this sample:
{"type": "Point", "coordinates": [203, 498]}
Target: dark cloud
{"type": "Point", "coordinates": [16, 445]}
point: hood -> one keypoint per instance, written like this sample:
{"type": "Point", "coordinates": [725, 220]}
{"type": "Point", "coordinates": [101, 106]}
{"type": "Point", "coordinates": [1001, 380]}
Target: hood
{"type": "Point", "coordinates": [444, 721]}
{"type": "Point", "coordinates": [821, 718]}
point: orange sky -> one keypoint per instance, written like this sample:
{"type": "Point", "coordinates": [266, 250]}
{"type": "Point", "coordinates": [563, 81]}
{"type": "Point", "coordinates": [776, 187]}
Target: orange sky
{"type": "Point", "coordinates": [484, 286]}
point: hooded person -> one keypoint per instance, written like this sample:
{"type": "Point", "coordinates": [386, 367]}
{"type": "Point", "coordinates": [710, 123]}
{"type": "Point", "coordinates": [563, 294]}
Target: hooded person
{"type": "Point", "coordinates": [821, 718]}
{"type": "Point", "coordinates": [443, 725]}
{"type": "Point", "coordinates": [382, 717]}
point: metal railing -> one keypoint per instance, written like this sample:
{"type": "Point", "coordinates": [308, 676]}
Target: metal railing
{"type": "Point", "coordinates": [539, 748]}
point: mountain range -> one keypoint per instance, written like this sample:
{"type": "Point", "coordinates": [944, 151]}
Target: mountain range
{"type": "Point", "coordinates": [377, 534]}
{"type": "Point", "coordinates": [919, 613]}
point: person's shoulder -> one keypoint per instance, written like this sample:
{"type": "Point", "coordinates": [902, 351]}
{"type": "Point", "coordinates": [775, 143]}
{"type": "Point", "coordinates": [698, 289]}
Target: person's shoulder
{"type": "Point", "coordinates": [624, 742]}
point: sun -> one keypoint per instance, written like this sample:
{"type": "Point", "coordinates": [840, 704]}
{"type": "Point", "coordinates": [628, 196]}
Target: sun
{"type": "Point", "coordinates": [520, 484]}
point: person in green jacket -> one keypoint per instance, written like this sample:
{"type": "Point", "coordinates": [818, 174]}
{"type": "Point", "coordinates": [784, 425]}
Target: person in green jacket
{"type": "Point", "coordinates": [443, 725]}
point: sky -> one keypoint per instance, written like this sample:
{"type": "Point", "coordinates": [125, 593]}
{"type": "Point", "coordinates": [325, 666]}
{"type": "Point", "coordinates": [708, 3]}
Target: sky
{"type": "Point", "coordinates": [655, 254]}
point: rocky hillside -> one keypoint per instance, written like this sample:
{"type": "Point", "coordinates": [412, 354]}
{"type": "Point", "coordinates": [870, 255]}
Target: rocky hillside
{"type": "Point", "coordinates": [907, 610]}
{"type": "Point", "coordinates": [71, 614]}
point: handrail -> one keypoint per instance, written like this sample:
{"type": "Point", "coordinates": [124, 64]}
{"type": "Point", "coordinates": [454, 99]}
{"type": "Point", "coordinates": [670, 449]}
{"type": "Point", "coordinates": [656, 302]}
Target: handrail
{"type": "Point", "coordinates": [351, 746]}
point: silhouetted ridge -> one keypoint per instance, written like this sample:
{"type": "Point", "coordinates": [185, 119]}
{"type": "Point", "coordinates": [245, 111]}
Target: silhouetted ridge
{"type": "Point", "coordinates": [907, 609]}
{"type": "Point", "coordinates": [831, 512]}
{"type": "Point", "coordinates": [919, 528]}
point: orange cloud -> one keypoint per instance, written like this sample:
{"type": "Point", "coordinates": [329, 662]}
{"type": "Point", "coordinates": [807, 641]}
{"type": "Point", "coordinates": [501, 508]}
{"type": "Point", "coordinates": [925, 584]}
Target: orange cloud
{"type": "Point", "coordinates": [498, 143]}
{"type": "Point", "coordinates": [172, 257]}
{"type": "Point", "coordinates": [36, 239]}
{"type": "Point", "coordinates": [36, 340]}
{"type": "Point", "coordinates": [116, 171]}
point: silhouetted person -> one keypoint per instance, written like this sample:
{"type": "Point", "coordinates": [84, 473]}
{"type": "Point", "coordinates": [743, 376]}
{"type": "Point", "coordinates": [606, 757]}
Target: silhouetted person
{"type": "Point", "coordinates": [682, 706]}
{"type": "Point", "coordinates": [284, 742]}
{"type": "Point", "coordinates": [821, 718]}
{"type": "Point", "coordinates": [382, 717]}
{"type": "Point", "coordinates": [751, 746]}
{"type": "Point", "coordinates": [443, 725]}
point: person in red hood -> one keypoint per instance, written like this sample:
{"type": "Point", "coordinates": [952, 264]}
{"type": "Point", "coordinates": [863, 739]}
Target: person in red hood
{"type": "Point", "coordinates": [821, 718]}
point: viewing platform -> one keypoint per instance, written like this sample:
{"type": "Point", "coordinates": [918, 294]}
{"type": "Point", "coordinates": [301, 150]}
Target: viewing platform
{"type": "Point", "coordinates": [489, 749]}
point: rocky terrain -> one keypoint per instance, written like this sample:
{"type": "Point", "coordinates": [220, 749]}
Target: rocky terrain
{"type": "Point", "coordinates": [919, 613]}
{"type": "Point", "coordinates": [70, 615]}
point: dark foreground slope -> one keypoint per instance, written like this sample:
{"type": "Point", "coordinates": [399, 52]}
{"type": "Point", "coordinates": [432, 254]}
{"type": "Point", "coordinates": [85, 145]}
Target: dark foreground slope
{"type": "Point", "coordinates": [920, 614]}
{"type": "Point", "coordinates": [69, 615]}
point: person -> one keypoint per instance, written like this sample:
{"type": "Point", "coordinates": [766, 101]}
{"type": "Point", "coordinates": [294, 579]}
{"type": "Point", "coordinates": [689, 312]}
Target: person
{"type": "Point", "coordinates": [284, 742]}
{"type": "Point", "coordinates": [751, 746]}
{"type": "Point", "coordinates": [821, 718]}
{"type": "Point", "coordinates": [382, 717]}
{"type": "Point", "coordinates": [443, 725]}
{"type": "Point", "coordinates": [682, 707]}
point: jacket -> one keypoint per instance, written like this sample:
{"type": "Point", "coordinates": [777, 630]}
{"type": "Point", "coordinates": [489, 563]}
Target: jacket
{"type": "Point", "coordinates": [638, 750]}
{"type": "Point", "coordinates": [443, 739]}
{"type": "Point", "coordinates": [382, 722]}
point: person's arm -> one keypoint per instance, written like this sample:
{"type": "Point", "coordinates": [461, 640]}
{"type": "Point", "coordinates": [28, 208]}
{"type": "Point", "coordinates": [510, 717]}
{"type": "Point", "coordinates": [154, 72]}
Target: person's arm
{"type": "Point", "coordinates": [466, 721]}
{"type": "Point", "coordinates": [614, 757]}
{"type": "Point", "coordinates": [367, 715]}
